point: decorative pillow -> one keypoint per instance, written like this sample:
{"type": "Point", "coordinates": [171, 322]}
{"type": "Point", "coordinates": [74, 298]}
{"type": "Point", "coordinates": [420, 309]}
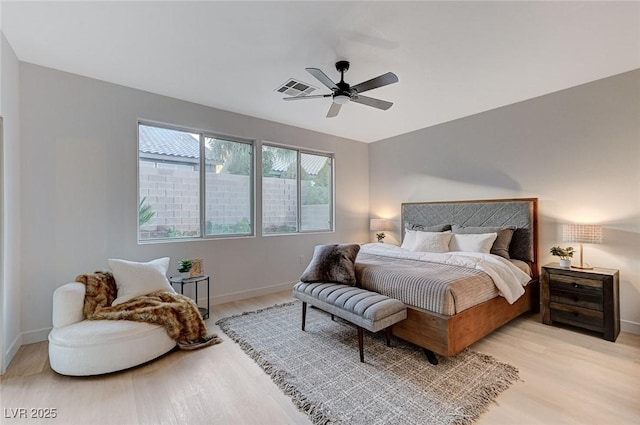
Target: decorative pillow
{"type": "Point", "coordinates": [423, 228]}
{"type": "Point", "coordinates": [500, 245]}
{"type": "Point", "coordinates": [473, 242]}
{"type": "Point", "coordinates": [432, 241]}
{"type": "Point", "coordinates": [409, 240]}
{"type": "Point", "coordinates": [136, 279]}
{"type": "Point", "coordinates": [332, 263]}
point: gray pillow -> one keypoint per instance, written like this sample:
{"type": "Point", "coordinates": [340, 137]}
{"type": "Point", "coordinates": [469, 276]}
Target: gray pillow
{"type": "Point", "coordinates": [500, 246]}
{"type": "Point", "coordinates": [332, 263]}
{"type": "Point", "coordinates": [434, 228]}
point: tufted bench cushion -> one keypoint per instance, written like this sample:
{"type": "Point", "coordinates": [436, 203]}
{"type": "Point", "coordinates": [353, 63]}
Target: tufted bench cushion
{"type": "Point", "coordinates": [365, 309]}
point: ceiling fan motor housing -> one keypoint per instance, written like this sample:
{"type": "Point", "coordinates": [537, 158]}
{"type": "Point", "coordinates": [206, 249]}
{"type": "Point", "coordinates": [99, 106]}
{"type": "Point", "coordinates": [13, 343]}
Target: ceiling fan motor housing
{"type": "Point", "coordinates": [343, 94]}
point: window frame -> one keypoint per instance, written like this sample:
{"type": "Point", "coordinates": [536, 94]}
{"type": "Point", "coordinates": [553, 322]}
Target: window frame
{"type": "Point", "coordinates": [203, 176]}
{"type": "Point", "coordinates": [299, 152]}
{"type": "Point", "coordinates": [202, 134]}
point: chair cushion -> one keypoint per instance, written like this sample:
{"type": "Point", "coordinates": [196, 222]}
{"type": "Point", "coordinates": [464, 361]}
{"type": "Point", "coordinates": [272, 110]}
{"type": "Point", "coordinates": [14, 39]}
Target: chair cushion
{"type": "Point", "coordinates": [93, 347]}
{"type": "Point", "coordinates": [92, 332]}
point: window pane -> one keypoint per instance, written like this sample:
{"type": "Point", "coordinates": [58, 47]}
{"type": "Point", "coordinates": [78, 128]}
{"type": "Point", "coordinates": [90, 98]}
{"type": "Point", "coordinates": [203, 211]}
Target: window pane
{"type": "Point", "coordinates": [169, 181]}
{"type": "Point", "coordinates": [229, 168]}
{"type": "Point", "coordinates": [315, 192]}
{"type": "Point", "coordinates": [279, 190]}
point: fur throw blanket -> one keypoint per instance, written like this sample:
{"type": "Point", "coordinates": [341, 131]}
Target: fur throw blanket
{"type": "Point", "coordinates": [177, 313]}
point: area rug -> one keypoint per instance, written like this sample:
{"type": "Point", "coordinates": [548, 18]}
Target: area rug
{"type": "Point", "coordinates": [321, 371]}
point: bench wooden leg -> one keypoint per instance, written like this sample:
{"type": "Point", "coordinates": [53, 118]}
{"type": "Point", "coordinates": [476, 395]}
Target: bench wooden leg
{"type": "Point", "coordinates": [304, 313]}
{"type": "Point", "coordinates": [361, 344]}
{"type": "Point", "coordinates": [388, 331]}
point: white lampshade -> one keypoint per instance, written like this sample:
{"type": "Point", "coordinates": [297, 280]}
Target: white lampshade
{"type": "Point", "coordinates": [378, 224]}
{"type": "Point", "coordinates": [582, 233]}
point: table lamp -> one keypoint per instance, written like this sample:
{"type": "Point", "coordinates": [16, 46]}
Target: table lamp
{"type": "Point", "coordinates": [378, 225]}
{"type": "Point", "coordinates": [582, 233]}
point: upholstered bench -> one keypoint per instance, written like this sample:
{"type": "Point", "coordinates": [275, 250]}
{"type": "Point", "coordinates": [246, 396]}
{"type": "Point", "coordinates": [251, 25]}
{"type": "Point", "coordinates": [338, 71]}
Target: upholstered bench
{"type": "Point", "coordinates": [365, 309]}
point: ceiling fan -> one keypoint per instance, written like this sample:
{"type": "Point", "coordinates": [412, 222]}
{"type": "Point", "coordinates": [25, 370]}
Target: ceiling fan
{"type": "Point", "coordinates": [343, 93]}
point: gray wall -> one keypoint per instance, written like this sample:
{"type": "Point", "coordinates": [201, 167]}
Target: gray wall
{"type": "Point", "coordinates": [79, 155]}
{"type": "Point", "coordinates": [10, 280]}
{"type": "Point", "coordinates": [577, 150]}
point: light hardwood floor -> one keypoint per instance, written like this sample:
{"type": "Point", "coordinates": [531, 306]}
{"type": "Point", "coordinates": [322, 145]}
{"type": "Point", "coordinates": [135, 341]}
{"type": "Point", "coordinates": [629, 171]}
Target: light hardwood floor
{"type": "Point", "coordinates": [567, 377]}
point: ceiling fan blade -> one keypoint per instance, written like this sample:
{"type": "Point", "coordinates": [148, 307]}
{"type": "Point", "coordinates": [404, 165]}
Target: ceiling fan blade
{"type": "Point", "coordinates": [315, 96]}
{"type": "Point", "coordinates": [333, 110]}
{"type": "Point", "coordinates": [322, 77]}
{"type": "Point", "coordinates": [374, 83]}
{"type": "Point", "coordinates": [370, 101]}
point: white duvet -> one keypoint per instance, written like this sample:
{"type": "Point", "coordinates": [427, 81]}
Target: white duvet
{"type": "Point", "coordinates": [509, 279]}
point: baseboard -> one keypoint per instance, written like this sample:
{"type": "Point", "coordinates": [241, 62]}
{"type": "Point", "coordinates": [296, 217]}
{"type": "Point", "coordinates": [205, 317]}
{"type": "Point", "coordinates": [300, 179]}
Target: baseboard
{"type": "Point", "coordinates": [38, 335]}
{"type": "Point", "coordinates": [250, 293]}
{"type": "Point", "coordinates": [11, 352]}
{"type": "Point", "coordinates": [630, 327]}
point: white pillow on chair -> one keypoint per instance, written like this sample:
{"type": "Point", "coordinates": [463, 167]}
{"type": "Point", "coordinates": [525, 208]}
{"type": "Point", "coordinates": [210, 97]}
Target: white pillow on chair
{"type": "Point", "coordinates": [136, 279]}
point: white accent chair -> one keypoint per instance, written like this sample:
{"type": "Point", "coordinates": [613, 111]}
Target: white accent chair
{"type": "Point", "coordinates": [80, 347]}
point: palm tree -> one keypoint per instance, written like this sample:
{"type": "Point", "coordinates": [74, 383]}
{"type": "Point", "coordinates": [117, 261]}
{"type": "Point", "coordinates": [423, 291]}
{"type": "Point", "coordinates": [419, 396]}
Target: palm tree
{"type": "Point", "coordinates": [145, 212]}
{"type": "Point", "coordinates": [234, 157]}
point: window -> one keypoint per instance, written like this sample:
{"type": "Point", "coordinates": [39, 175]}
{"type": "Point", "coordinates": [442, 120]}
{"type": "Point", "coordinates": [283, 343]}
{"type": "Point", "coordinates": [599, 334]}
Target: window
{"type": "Point", "coordinates": [186, 194]}
{"type": "Point", "coordinates": [297, 191]}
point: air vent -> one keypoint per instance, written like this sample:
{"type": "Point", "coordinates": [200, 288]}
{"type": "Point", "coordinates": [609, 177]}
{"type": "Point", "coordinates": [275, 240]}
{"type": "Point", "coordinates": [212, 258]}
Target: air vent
{"type": "Point", "coordinates": [295, 88]}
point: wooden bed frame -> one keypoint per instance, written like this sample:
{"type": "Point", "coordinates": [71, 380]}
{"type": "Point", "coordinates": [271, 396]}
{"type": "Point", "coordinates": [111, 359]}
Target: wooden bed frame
{"type": "Point", "coordinates": [448, 335]}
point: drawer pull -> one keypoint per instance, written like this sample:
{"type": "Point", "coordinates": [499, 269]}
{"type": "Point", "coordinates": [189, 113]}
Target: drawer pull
{"type": "Point", "coordinates": [575, 285]}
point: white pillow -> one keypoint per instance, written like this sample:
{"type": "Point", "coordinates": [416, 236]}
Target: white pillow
{"type": "Point", "coordinates": [409, 241]}
{"type": "Point", "coordinates": [480, 242]}
{"type": "Point", "coordinates": [135, 279]}
{"type": "Point", "coordinates": [432, 241]}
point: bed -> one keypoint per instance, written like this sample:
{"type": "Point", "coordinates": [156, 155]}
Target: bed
{"type": "Point", "coordinates": [452, 329]}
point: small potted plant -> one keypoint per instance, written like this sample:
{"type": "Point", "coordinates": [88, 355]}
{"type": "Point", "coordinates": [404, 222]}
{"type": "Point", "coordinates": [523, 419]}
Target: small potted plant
{"type": "Point", "coordinates": [380, 236]}
{"type": "Point", "coordinates": [565, 255]}
{"type": "Point", "coordinates": [184, 267]}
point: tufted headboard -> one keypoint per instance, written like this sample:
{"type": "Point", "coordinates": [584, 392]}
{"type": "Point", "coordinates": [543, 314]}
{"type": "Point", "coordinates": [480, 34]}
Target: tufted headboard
{"type": "Point", "coordinates": [521, 213]}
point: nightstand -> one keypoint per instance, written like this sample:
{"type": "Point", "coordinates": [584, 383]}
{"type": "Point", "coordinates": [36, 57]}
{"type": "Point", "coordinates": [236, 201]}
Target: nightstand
{"type": "Point", "coordinates": [204, 312]}
{"type": "Point", "coordinates": [588, 299]}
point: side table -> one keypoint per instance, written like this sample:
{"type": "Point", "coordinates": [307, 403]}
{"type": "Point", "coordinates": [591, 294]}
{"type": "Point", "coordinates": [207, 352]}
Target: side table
{"type": "Point", "coordinates": [204, 312]}
{"type": "Point", "coordinates": [589, 299]}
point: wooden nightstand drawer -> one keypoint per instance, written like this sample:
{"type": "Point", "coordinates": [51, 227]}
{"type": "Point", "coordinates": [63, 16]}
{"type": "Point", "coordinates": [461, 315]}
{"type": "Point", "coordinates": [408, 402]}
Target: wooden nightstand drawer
{"type": "Point", "coordinates": [577, 316]}
{"type": "Point", "coordinates": [577, 298]}
{"type": "Point", "coordinates": [575, 283]}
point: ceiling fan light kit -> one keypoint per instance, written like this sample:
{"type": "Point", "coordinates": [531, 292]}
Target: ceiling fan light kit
{"type": "Point", "coordinates": [341, 99]}
{"type": "Point", "coordinates": [342, 92]}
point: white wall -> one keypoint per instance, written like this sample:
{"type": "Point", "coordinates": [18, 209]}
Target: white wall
{"type": "Point", "coordinates": [10, 279]}
{"type": "Point", "coordinates": [79, 155]}
{"type": "Point", "coordinates": [577, 150]}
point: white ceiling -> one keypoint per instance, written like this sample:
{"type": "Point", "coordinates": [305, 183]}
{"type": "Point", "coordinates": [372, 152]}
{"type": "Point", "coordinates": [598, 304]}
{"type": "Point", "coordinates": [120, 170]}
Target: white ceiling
{"type": "Point", "coordinates": [453, 59]}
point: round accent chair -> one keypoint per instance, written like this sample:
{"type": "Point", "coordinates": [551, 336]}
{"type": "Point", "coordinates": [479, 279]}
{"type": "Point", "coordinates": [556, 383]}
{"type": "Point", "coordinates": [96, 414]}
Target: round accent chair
{"type": "Point", "coordinates": [80, 347]}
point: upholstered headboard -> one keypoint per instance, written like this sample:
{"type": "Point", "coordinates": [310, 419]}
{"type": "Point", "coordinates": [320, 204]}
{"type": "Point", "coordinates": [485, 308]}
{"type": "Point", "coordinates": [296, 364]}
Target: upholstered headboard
{"type": "Point", "coordinates": [521, 213]}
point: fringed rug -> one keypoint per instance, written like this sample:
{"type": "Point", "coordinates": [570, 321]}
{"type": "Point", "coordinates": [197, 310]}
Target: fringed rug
{"type": "Point", "coordinates": [321, 371]}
